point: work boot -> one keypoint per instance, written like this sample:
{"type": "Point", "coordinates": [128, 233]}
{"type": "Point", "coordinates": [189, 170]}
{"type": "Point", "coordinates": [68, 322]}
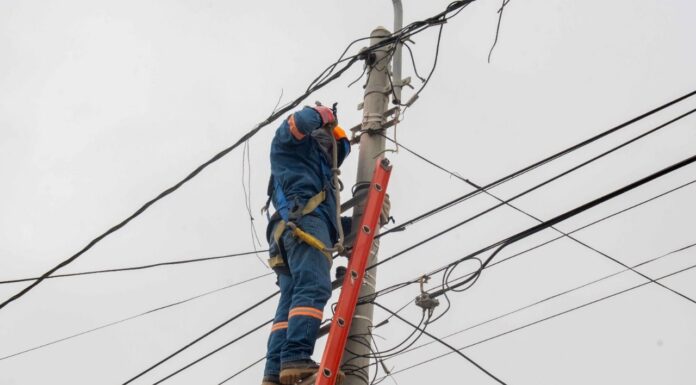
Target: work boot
{"type": "Point", "coordinates": [269, 380]}
{"type": "Point", "coordinates": [295, 371]}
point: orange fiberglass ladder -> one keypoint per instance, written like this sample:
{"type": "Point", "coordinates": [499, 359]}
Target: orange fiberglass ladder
{"type": "Point", "coordinates": [352, 282]}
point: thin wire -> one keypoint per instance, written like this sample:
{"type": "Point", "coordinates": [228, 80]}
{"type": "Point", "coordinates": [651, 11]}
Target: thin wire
{"type": "Point", "coordinates": [132, 268]}
{"type": "Point", "coordinates": [246, 181]}
{"type": "Point", "coordinates": [243, 370]}
{"type": "Point", "coordinates": [497, 29]}
{"type": "Point", "coordinates": [547, 318]}
{"type": "Point", "coordinates": [114, 323]}
{"type": "Point", "coordinates": [557, 295]}
{"type": "Point", "coordinates": [413, 62]}
{"type": "Point", "coordinates": [192, 363]}
{"type": "Point", "coordinates": [454, 350]}
{"type": "Point", "coordinates": [211, 331]}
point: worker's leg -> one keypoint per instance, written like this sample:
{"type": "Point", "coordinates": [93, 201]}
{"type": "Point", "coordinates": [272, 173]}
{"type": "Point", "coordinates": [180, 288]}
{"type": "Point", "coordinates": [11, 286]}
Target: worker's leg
{"type": "Point", "coordinates": [310, 271]}
{"type": "Point", "coordinates": [277, 339]}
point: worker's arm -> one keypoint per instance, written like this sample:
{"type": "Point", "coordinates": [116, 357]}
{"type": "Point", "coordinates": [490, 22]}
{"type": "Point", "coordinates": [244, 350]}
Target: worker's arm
{"type": "Point", "coordinates": [298, 126]}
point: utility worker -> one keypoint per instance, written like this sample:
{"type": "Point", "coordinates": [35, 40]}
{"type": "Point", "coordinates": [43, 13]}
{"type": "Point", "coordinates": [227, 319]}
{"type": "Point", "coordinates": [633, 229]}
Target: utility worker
{"type": "Point", "coordinates": [300, 189]}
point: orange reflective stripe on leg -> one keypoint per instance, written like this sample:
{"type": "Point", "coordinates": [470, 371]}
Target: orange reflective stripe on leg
{"type": "Point", "coordinates": [307, 311]}
{"type": "Point", "coordinates": [279, 326]}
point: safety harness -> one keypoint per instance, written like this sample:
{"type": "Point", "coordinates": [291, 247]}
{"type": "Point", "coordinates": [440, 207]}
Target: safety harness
{"type": "Point", "coordinates": [287, 219]}
{"type": "Point", "coordinates": [287, 222]}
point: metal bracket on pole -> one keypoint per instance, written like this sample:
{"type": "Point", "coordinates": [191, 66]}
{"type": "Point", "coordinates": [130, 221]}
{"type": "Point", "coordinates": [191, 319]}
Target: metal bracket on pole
{"type": "Point", "coordinates": [384, 123]}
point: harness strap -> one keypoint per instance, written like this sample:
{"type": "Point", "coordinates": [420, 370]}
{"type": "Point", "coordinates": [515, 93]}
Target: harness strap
{"type": "Point", "coordinates": [280, 260]}
{"type": "Point", "coordinates": [283, 225]}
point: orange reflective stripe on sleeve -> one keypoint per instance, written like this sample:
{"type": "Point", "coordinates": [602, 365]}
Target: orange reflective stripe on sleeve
{"type": "Point", "coordinates": [279, 326]}
{"type": "Point", "coordinates": [308, 312]}
{"type": "Point", "coordinates": [296, 133]}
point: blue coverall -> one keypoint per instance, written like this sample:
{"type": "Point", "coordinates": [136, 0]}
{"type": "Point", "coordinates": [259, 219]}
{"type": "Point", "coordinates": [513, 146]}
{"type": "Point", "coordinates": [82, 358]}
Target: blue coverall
{"type": "Point", "coordinates": [300, 169]}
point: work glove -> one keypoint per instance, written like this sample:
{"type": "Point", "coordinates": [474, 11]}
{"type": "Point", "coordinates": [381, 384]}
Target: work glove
{"type": "Point", "coordinates": [384, 214]}
{"type": "Point", "coordinates": [328, 120]}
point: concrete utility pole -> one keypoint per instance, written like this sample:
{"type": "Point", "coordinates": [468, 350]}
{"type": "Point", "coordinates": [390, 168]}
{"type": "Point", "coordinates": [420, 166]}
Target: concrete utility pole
{"type": "Point", "coordinates": [376, 103]}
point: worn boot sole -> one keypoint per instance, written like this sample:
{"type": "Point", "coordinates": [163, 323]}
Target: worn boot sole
{"type": "Point", "coordinates": [295, 375]}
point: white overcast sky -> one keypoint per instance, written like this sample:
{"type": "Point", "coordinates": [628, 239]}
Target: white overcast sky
{"type": "Point", "coordinates": [104, 104]}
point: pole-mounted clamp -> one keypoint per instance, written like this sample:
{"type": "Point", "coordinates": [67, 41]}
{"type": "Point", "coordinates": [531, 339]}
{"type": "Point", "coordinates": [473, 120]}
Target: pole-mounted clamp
{"type": "Point", "coordinates": [424, 300]}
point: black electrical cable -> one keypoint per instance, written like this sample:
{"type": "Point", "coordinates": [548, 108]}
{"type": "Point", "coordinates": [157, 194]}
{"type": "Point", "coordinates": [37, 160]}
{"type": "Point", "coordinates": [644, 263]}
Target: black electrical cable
{"type": "Point", "coordinates": [547, 318]}
{"type": "Point", "coordinates": [533, 166]}
{"type": "Point", "coordinates": [454, 350]}
{"type": "Point", "coordinates": [559, 294]}
{"type": "Point", "coordinates": [432, 69]}
{"type": "Point", "coordinates": [190, 364]}
{"type": "Point", "coordinates": [528, 232]}
{"type": "Point", "coordinates": [211, 331]}
{"type": "Point", "coordinates": [243, 370]}
{"type": "Point", "coordinates": [132, 268]}
{"type": "Point", "coordinates": [583, 164]}
{"type": "Point", "coordinates": [547, 242]}
{"type": "Point", "coordinates": [564, 216]}
{"type": "Point", "coordinates": [497, 28]}
{"type": "Point", "coordinates": [120, 321]}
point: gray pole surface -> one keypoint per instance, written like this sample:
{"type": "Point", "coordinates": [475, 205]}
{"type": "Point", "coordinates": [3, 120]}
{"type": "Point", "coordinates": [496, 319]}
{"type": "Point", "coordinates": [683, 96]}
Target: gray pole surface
{"type": "Point", "coordinates": [398, 24]}
{"type": "Point", "coordinates": [376, 103]}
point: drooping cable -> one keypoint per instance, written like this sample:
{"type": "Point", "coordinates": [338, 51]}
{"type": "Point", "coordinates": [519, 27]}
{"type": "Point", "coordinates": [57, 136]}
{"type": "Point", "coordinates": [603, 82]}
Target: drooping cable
{"type": "Point", "coordinates": [558, 295]}
{"type": "Point", "coordinates": [584, 305]}
{"type": "Point", "coordinates": [454, 350]}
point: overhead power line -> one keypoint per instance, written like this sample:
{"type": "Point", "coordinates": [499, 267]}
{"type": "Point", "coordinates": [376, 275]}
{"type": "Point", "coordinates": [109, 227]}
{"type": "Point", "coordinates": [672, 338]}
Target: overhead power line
{"type": "Point", "coordinates": [584, 305]}
{"type": "Point", "coordinates": [559, 218]}
{"type": "Point", "coordinates": [211, 331]}
{"type": "Point", "coordinates": [547, 181]}
{"type": "Point", "coordinates": [540, 163]}
{"type": "Point", "coordinates": [498, 246]}
{"type": "Point", "coordinates": [133, 268]}
{"type": "Point", "coordinates": [120, 321]}
{"type": "Point", "coordinates": [593, 223]}
{"type": "Point", "coordinates": [190, 364]}
{"type": "Point", "coordinates": [554, 296]}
